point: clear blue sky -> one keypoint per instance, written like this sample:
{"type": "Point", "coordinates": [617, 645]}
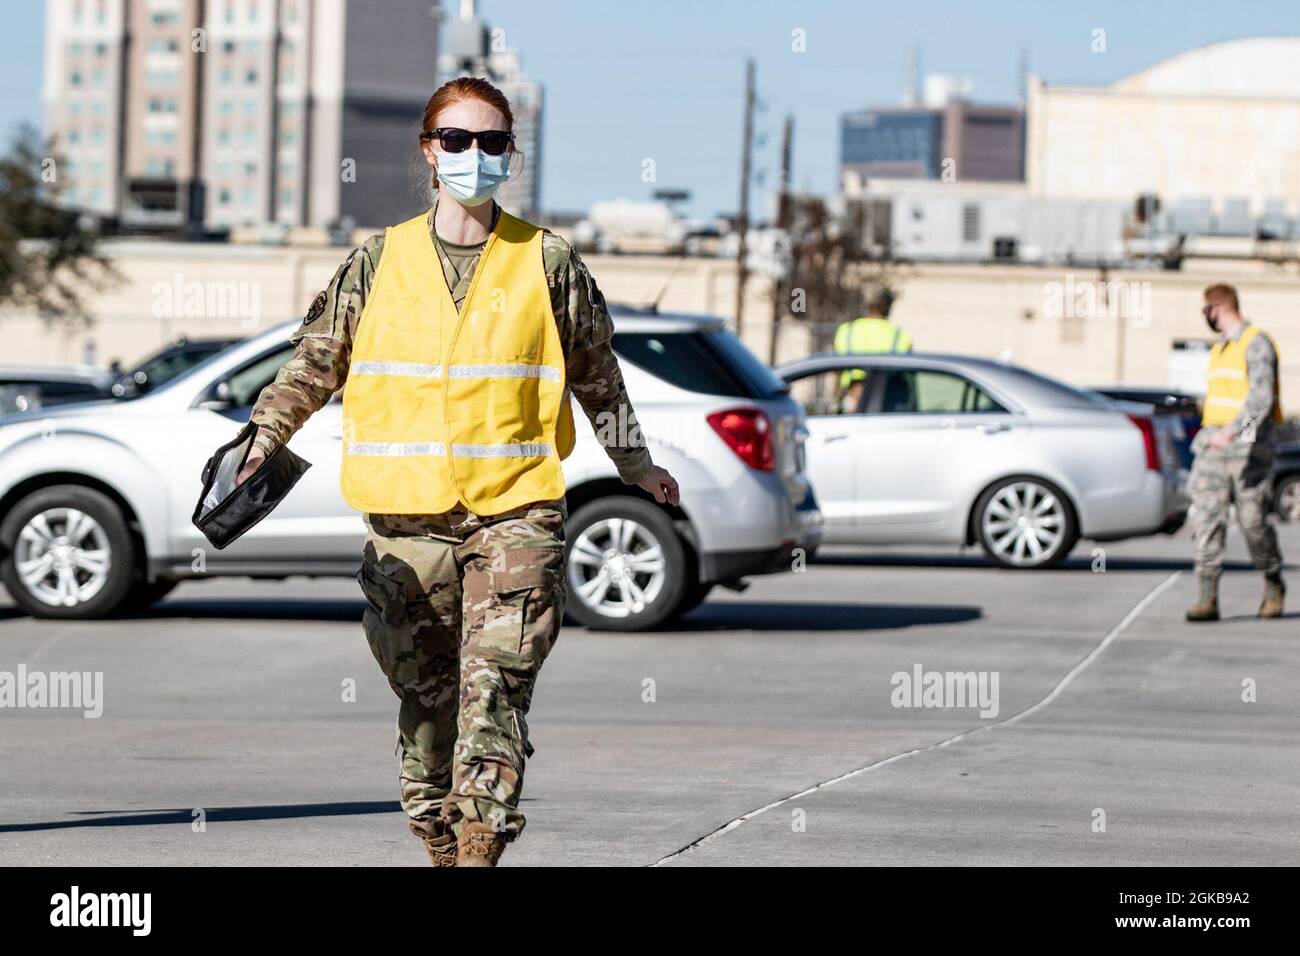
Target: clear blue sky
{"type": "Point", "coordinates": [629, 80]}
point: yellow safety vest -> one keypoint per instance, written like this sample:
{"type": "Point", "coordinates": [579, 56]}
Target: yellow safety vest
{"type": "Point", "coordinates": [443, 407]}
{"type": "Point", "coordinates": [869, 335]}
{"type": "Point", "coordinates": [1227, 383]}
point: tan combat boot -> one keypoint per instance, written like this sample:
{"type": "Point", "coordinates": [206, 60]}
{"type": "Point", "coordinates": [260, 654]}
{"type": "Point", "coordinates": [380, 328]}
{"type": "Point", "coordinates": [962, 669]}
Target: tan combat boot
{"type": "Point", "coordinates": [441, 849]}
{"type": "Point", "coordinates": [479, 845]}
{"type": "Point", "coordinates": [1274, 596]}
{"type": "Point", "coordinates": [1207, 608]}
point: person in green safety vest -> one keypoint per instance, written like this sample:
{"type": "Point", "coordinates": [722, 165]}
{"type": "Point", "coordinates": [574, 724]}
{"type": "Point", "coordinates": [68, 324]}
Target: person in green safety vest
{"type": "Point", "coordinates": [871, 334]}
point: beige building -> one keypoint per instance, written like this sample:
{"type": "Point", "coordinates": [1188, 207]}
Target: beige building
{"type": "Point", "coordinates": [1124, 326]}
{"type": "Point", "coordinates": [1216, 129]}
{"type": "Point", "coordinates": [216, 113]}
{"type": "Point", "coordinates": [84, 98]}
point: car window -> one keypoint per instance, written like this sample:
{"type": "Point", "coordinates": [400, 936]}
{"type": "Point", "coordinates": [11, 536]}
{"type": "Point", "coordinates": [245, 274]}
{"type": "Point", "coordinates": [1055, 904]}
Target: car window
{"type": "Point", "coordinates": [66, 391]}
{"type": "Point", "coordinates": [841, 391]}
{"type": "Point", "coordinates": [246, 384]}
{"type": "Point", "coordinates": [713, 362]}
{"type": "Point", "coordinates": [928, 392]}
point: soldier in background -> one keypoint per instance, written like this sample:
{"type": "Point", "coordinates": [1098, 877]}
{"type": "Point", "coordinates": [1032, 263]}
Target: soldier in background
{"type": "Point", "coordinates": [463, 564]}
{"type": "Point", "coordinates": [870, 334]}
{"type": "Point", "coordinates": [1234, 454]}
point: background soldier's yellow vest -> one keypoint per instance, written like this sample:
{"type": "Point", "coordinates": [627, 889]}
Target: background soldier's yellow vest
{"type": "Point", "coordinates": [868, 335]}
{"type": "Point", "coordinates": [1227, 383]}
{"type": "Point", "coordinates": [440, 407]}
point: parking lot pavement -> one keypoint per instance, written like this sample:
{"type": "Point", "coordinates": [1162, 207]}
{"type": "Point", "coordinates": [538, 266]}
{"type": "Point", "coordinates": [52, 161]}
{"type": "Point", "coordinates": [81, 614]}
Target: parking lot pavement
{"type": "Point", "coordinates": [225, 706]}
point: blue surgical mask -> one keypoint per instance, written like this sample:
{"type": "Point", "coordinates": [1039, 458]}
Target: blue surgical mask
{"type": "Point", "coordinates": [472, 176]}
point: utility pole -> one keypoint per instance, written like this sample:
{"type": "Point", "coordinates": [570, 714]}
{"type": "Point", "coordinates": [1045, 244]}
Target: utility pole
{"type": "Point", "coordinates": [742, 215]}
{"type": "Point", "coordinates": [780, 287]}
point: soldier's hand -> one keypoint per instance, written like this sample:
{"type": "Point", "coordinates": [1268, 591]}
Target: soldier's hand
{"type": "Point", "coordinates": [254, 461]}
{"type": "Point", "coordinates": [662, 485]}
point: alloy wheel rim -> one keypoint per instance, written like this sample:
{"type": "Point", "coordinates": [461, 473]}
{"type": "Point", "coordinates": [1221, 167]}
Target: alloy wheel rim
{"type": "Point", "coordinates": [1024, 523]}
{"type": "Point", "coordinates": [617, 567]}
{"type": "Point", "coordinates": [62, 557]}
{"type": "Point", "coordinates": [1288, 503]}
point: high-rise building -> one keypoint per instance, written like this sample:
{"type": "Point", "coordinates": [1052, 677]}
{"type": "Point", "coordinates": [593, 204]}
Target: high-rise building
{"type": "Point", "coordinates": [948, 137]}
{"type": "Point", "coordinates": [84, 95]}
{"type": "Point", "coordinates": [475, 50]}
{"type": "Point", "coordinates": [213, 113]}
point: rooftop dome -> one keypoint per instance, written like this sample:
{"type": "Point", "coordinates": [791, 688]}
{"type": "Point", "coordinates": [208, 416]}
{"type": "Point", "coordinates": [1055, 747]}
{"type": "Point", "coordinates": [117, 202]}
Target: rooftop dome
{"type": "Point", "coordinates": [1257, 67]}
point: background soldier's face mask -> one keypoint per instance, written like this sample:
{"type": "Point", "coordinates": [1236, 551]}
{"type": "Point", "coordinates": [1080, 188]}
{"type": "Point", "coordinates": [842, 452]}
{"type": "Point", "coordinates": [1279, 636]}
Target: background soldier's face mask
{"type": "Point", "coordinates": [225, 511]}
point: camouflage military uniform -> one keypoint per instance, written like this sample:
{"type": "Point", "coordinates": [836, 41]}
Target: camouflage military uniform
{"type": "Point", "coordinates": [461, 608]}
{"type": "Point", "coordinates": [461, 612]}
{"type": "Point", "coordinates": [1240, 473]}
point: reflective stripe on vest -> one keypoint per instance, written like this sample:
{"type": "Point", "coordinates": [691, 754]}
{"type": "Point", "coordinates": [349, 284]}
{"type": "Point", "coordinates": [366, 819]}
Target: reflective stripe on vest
{"type": "Point", "coordinates": [1227, 381]}
{"type": "Point", "coordinates": [444, 406]}
{"type": "Point", "coordinates": [412, 449]}
{"type": "Point", "coordinates": [415, 370]}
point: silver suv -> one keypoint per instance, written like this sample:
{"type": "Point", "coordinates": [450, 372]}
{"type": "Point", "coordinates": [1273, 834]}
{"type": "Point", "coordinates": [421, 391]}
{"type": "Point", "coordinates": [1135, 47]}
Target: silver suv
{"type": "Point", "coordinates": [96, 499]}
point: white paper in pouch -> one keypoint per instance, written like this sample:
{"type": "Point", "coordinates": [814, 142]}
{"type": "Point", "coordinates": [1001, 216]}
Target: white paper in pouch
{"type": "Point", "coordinates": [227, 470]}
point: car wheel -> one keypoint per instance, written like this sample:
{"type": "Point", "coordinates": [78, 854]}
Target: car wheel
{"type": "Point", "coordinates": [1025, 523]}
{"type": "Point", "coordinates": [1286, 501]}
{"type": "Point", "coordinates": [145, 595]}
{"type": "Point", "coordinates": [68, 553]}
{"type": "Point", "coordinates": [624, 565]}
{"type": "Point", "coordinates": [693, 595]}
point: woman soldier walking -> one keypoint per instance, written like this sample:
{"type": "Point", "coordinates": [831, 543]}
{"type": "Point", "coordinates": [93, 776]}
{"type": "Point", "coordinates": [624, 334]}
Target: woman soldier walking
{"type": "Point", "coordinates": [460, 334]}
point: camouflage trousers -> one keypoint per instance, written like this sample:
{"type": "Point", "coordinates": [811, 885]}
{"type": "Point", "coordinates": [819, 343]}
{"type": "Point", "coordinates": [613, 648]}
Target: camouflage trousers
{"type": "Point", "coordinates": [1218, 481]}
{"type": "Point", "coordinates": [461, 612]}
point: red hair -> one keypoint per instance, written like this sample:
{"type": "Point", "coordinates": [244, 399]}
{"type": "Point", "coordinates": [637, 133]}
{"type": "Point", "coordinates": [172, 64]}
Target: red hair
{"type": "Point", "coordinates": [466, 88]}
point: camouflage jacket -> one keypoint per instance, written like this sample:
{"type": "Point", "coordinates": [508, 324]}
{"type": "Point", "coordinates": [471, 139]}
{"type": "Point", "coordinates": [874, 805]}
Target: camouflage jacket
{"type": "Point", "coordinates": [323, 344]}
{"type": "Point", "coordinates": [1253, 429]}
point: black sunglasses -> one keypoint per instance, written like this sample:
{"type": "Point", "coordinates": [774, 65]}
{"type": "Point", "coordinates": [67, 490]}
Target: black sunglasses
{"type": "Point", "coordinates": [494, 142]}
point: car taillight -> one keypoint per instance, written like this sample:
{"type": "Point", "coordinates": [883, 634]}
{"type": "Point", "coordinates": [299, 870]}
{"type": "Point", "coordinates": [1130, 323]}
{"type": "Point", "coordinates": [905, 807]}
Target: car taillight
{"type": "Point", "coordinates": [1148, 429]}
{"type": "Point", "coordinates": [748, 433]}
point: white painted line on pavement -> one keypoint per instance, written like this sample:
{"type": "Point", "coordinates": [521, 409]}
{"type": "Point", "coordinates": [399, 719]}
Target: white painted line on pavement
{"type": "Point", "coordinates": [1055, 692]}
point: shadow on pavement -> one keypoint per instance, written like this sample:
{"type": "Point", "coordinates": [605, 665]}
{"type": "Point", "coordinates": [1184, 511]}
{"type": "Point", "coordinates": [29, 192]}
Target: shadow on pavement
{"type": "Point", "coordinates": [712, 616]}
{"type": "Point", "coordinates": [977, 560]}
{"type": "Point", "coordinates": [809, 616]}
{"type": "Point", "coordinates": [185, 816]}
{"type": "Point", "coordinates": [252, 609]}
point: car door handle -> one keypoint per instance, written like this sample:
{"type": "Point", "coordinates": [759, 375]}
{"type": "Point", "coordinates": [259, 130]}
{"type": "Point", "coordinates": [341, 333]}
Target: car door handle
{"type": "Point", "coordinates": [994, 428]}
{"type": "Point", "coordinates": [827, 439]}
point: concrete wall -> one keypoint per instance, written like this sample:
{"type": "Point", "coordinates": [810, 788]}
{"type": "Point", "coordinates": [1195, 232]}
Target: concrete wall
{"type": "Point", "coordinates": [1059, 321]}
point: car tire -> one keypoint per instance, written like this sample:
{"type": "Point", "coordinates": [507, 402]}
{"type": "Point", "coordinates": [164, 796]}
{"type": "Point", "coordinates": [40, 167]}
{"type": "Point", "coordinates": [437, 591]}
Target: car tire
{"type": "Point", "coordinates": [91, 570]}
{"type": "Point", "coordinates": [693, 595]}
{"type": "Point", "coordinates": [1048, 522]}
{"type": "Point", "coordinates": [1286, 499]}
{"type": "Point", "coordinates": [145, 595]}
{"type": "Point", "coordinates": [604, 538]}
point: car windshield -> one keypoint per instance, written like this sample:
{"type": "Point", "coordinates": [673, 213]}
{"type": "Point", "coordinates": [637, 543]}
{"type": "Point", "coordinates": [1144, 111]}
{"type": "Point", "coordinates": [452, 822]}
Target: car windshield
{"type": "Point", "coordinates": [710, 361]}
{"type": "Point", "coordinates": [168, 369]}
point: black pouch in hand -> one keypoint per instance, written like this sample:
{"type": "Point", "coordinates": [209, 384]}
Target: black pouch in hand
{"type": "Point", "coordinates": [225, 511]}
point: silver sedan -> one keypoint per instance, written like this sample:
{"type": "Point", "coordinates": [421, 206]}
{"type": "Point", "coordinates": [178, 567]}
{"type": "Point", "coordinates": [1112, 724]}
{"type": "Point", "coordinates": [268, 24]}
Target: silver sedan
{"type": "Point", "coordinates": [943, 449]}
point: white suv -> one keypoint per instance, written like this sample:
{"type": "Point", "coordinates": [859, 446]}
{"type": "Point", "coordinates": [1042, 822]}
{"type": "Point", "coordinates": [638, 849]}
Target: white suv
{"type": "Point", "coordinates": [96, 499]}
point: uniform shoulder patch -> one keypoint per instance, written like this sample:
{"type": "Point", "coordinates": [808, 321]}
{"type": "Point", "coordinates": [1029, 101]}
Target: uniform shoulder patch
{"type": "Point", "coordinates": [317, 309]}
